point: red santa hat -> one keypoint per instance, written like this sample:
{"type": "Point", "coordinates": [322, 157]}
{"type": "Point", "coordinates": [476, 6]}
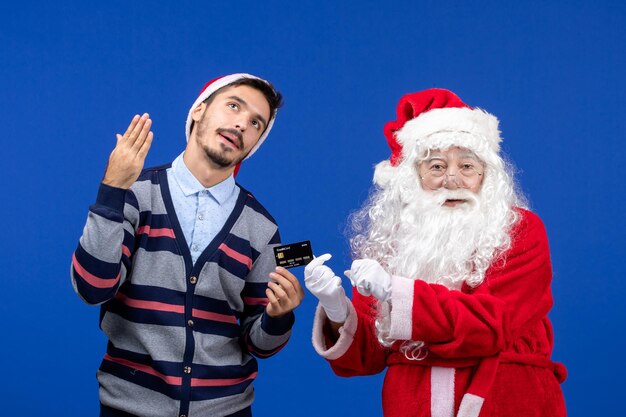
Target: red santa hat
{"type": "Point", "coordinates": [214, 85]}
{"type": "Point", "coordinates": [437, 119]}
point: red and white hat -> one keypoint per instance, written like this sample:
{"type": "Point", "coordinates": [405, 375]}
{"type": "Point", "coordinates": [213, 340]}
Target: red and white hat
{"type": "Point", "coordinates": [437, 119]}
{"type": "Point", "coordinates": [214, 85]}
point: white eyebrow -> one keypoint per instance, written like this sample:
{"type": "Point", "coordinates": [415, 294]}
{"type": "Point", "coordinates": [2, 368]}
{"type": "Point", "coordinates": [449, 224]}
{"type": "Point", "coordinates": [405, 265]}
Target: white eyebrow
{"type": "Point", "coordinates": [463, 155]}
{"type": "Point", "coordinates": [437, 156]}
{"type": "Point", "coordinates": [470, 155]}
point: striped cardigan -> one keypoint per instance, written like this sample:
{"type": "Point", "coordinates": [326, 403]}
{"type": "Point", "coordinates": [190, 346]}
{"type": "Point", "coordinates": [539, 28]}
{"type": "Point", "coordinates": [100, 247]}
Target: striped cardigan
{"type": "Point", "coordinates": [181, 336]}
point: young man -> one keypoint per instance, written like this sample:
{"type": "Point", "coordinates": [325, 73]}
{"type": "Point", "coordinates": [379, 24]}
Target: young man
{"type": "Point", "coordinates": [180, 259]}
{"type": "Point", "coordinates": [452, 276]}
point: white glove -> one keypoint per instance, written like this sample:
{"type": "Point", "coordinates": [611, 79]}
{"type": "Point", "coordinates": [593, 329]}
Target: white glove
{"type": "Point", "coordinates": [326, 286]}
{"type": "Point", "coordinates": [369, 278]}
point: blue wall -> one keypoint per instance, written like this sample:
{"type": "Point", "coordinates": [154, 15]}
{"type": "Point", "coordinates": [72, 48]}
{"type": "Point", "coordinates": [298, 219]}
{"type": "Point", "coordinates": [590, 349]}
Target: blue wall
{"type": "Point", "coordinates": [73, 74]}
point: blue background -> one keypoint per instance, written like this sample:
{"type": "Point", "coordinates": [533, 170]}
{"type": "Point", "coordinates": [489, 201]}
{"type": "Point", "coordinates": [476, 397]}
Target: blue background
{"type": "Point", "coordinates": [73, 75]}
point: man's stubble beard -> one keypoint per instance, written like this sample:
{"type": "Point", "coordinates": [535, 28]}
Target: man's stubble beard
{"type": "Point", "coordinates": [218, 158]}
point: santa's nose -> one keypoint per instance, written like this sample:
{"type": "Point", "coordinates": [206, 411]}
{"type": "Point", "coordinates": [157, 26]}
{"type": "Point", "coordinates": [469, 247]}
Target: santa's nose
{"type": "Point", "coordinates": [450, 181]}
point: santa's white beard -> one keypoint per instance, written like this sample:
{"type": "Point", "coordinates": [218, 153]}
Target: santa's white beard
{"type": "Point", "coordinates": [425, 240]}
{"type": "Point", "coordinates": [412, 235]}
{"type": "Point", "coordinates": [436, 243]}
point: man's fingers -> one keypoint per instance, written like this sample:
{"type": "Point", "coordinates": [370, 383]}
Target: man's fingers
{"type": "Point", "coordinates": [279, 291]}
{"type": "Point", "coordinates": [127, 158]}
{"type": "Point", "coordinates": [134, 134]}
{"type": "Point", "coordinates": [143, 151]}
{"type": "Point", "coordinates": [284, 273]}
{"type": "Point", "coordinates": [131, 126]}
{"type": "Point", "coordinates": [279, 279]}
{"type": "Point", "coordinates": [272, 298]}
{"type": "Point", "coordinates": [283, 283]}
{"type": "Point", "coordinates": [284, 293]}
{"type": "Point", "coordinates": [142, 135]}
{"type": "Point", "coordinates": [131, 138]}
{"type": "Point", "coordinates": [292, 280]}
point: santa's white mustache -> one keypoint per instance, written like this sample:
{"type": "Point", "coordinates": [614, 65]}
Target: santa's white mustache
{"type": "Point", "coordinates": [442, 195]}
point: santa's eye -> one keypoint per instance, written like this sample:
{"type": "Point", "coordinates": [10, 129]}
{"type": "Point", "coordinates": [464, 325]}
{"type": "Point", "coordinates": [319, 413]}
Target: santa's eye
{"type": "Point", "coordinates": [437, 168]}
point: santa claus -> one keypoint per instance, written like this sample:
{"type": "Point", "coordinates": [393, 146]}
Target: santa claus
{"type": "Point", "coordinates": [452, 276]}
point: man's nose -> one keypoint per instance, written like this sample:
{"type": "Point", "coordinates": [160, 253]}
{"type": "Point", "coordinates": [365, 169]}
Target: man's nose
{"type": "Point", "coordinates": [241, 123]}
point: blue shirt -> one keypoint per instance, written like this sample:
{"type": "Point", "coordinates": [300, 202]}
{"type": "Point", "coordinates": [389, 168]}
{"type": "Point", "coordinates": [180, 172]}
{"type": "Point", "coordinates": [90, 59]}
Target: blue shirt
{"type": "Point", "coordinates": [201, 211]}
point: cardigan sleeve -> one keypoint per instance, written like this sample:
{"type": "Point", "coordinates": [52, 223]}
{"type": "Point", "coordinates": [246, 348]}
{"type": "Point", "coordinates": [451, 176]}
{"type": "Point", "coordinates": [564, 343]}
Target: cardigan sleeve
{"type": "Point", "coordinates": [102, 258]}
{"type": "Point", "coordinates": [515, 294]}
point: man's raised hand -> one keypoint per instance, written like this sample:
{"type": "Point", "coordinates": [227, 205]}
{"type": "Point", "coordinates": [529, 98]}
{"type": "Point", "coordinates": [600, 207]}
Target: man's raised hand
{"type": "Point", "coordinates": [127, 159]}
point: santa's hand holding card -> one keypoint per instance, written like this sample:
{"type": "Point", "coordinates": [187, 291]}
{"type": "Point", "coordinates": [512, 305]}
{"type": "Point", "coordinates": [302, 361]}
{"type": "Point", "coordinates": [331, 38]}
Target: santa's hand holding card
{"type": "Point", "coordinates": [369, 278]}
{"type": "Point", "coordinates": [324, 284]}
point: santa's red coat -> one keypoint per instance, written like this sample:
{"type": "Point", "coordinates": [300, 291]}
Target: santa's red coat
{"type": "Point", "coordinates": [487, 349]}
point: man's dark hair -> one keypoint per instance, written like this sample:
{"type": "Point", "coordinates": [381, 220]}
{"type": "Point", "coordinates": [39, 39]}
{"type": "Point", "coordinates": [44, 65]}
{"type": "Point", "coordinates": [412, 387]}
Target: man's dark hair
{"type": "Point", "coordinates": [274, 97]}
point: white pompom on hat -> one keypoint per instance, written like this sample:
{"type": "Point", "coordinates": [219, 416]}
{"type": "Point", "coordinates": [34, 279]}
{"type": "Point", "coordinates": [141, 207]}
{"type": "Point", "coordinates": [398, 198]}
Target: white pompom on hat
{"type": "Point", "coordinates": [423, 115]}
{"type": "Point", "coordinates": [214, 85]}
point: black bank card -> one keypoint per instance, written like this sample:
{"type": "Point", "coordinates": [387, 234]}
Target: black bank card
{"type": "Point", "coordinates": [293, 254]}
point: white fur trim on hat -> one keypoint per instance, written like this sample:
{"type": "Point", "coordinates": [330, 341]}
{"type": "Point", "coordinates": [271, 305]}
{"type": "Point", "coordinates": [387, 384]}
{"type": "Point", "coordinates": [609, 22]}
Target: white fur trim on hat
{"type": "Point", "coordinates": [474, 129]}
{"type": "Point", "coordinates": [478, 123]}
{"type": "Point", "coordinates": [383, 173]}
{"type": "Point", "coordinates": [216, 85]}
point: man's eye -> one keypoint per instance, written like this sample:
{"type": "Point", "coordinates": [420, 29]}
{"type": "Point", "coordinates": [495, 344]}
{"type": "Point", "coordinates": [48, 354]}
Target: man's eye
{"type": "Point", "coordinates": [437, 167]}
{"type": "Point", "coordinates": [233, 106]}
{"type": "Point", "coordinates": [256, 124]}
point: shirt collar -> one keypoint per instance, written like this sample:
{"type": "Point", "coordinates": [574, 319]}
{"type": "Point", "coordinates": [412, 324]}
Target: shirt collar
{"type": "Point", "coordinates": [190, 184]}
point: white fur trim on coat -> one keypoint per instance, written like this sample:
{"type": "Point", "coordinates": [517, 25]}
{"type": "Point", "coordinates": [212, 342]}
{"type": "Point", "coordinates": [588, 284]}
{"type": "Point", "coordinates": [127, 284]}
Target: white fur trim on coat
{"type": "Point", "coordinates": [402, 290]}
{"type": "Point", "coordinates": [346, 334]}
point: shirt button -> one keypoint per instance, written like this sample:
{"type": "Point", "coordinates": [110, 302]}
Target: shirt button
{"type": "Point", "coordinates": [187, 369]}
{"type": "Point", "coordinates": [190, 323]}
{"type": "Point", "coordinates": [193, 280]}
{"type": "Point", "coordinates": [194, 248]}
{"type": "Point", "coordinates": [200, 217]}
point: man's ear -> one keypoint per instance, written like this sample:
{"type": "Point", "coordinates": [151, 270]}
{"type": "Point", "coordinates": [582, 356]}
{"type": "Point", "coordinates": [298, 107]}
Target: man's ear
{"type": "Point", "coordinates": [196, 114]}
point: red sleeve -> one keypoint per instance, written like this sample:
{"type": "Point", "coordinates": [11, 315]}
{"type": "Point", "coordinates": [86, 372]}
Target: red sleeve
{"type": "Point", "coordinates": [514, 295]}
{"type": "Point", "coordinates": [357, 351]}
{"type": "Point", "coordinates": [365, 356]}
